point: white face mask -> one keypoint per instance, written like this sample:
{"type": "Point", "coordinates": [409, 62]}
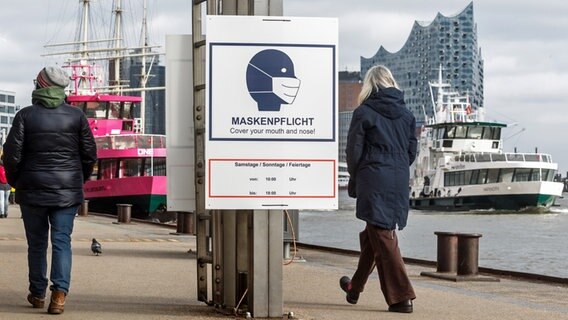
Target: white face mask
{"type": "Point", "coordinates": [286, 88]}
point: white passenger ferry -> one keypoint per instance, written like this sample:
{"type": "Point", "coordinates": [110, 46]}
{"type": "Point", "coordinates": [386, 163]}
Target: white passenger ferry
{"type": "Point", "coordinates": [342, 176]}
{"type": "Point", "coordinates": [461, 164]}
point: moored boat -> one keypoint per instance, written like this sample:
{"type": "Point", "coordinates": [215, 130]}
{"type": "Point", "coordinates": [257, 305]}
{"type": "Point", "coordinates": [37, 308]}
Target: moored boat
{"type": "Point", "coordinates": [461, 165]}
{"type": "Point", "coordinates": [132, 167]}
{"type": "Point", "coordinates": [342, 176]}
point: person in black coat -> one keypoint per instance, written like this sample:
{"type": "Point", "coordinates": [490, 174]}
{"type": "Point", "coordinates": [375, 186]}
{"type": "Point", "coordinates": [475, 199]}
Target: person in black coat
{"type": "Point", "coordinates": [49, 153]}
{"type": "Point", "coordinates": [381, 145]}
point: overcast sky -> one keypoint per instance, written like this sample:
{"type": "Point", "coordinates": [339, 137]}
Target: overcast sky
{"type": "Point", "coordinates": [524, 45]}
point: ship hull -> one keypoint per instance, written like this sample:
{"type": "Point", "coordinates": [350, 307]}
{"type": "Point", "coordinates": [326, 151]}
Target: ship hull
{"type": "Point", "coordinates": [143, 206]}
{"type": "Point", "coordinates": [147, 195]}
{"type": "Point", "coordinates": [516, 202]}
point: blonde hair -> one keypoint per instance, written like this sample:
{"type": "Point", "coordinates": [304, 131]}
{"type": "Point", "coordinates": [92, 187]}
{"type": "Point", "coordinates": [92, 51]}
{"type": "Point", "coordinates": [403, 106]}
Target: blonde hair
{"type": "Point", "coordinates": [378, 77]}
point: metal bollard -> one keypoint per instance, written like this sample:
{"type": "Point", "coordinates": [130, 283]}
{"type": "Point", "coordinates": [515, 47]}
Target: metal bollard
{"type": "Point", "coordinates": [447, 255]}
{"type": "Point", "coordinates": [123, 212]}
{"type": "Point", "coordinates": [84, 209]}
{"type": "Point", "coordinates": [468, 254]}
{"type": "Point", "coordinates": [180, 222]}
{"type": "Point", "coordinates": [184, 223]}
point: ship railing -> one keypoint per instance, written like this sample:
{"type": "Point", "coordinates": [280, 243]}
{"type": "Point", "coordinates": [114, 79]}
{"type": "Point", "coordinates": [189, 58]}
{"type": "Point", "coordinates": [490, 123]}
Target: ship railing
{"type": "Point", "coordinates": [504, 157]}
{"type": "Point", "coordinates": [131, 141]}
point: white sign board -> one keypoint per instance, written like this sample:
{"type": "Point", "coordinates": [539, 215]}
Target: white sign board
{"type": "Point", "coordinates": [271, 120]}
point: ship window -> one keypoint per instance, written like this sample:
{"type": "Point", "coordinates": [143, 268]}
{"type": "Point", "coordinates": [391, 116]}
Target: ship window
{"type": "Point", "coordinates": [114, 110]}
{"type": "Point", "coordinates": [144, 142]}
{"type": "Point", "coordinates": [514, 157]}
{"type": "Point", "coordinates": [546, 158]}
{"type": "Point", "coordinates": [461, 178]}
{"type": "Point", "coordinates": [96, 110]}
{"type": "Point", "coordinates": [484, 157]}
{"type": "Point", "coordinates": [130, 167]}
{"type": "Point", "coordinates": [496, 133]}
{"type": "Point", "coordinates": [547, 175]}
{"type": "Point", "coordinates": [127, 110]}
{"type": "Point", "coordinates": [475, 132]}
{"type": "Point", "coordinates": [498, 157]}
{"type": "Point", "coordinates": [467, 177]}
{"type": "Point", "coordinates": [159, 142]}
{"type": "Point", "coordinates": [154, 167]}
{"type": "Point", "coordinates": [482, 176]}
{"type": "Point", "coordinates": [103, 142]}
{"type": "Point", "coordinates": [474, 176]}
{"type": "Point", "coordinates": [535, 175]}
{"type": "Point", "coordinates": [109, 169]}
{"type": "Point", "coordinates": [506, 175]}
{"type": "Point", "coordinates": [522, 175]}
{"type": "Point", "coordinates": [449, 132]}
{"type": "Point", "coordinates": [532, 157]}
{"type": "Point", "coordinates": [127, 125]}
{"type": "Point", "coordinates": [488, 133]}
{"type": "Point", "coordinates": [461, 131]}
{"type": "Point", "coordinates": [124, 142]}
{"type": "Point", "coordinates": [95, 173]}
{"type": "Point", "coordinates": [493, 176]}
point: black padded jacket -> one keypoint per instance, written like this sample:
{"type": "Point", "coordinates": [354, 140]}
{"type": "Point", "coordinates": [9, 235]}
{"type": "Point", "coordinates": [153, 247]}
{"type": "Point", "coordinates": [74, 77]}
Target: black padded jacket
{"type": "Point", "coordinates": [48, 155]}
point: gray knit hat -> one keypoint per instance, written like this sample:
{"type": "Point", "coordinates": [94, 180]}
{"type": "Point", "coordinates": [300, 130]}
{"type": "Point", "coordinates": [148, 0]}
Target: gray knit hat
{"type": "Point", "coordinates": [52, 76]}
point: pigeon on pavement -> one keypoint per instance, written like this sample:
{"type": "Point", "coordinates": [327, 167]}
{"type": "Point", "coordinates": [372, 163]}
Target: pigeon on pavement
{"type": "Point", "coordinates": [96, 247]}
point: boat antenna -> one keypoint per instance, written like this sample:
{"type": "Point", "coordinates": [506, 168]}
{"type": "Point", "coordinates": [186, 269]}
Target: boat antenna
{"type": "Point", "coordinates": [117, 44]}
{"type": "Point", "coordinates": [143, 75]}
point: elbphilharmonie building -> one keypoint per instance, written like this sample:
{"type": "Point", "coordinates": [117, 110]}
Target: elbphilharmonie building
{"type": "Point", "coordinates": [447, 41]}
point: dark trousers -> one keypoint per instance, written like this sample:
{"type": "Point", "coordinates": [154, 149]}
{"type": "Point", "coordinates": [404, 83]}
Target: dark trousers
{"type": "Point", "coordinates": [379, 247]}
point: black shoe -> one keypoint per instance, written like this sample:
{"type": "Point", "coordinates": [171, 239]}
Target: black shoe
{"type": "Point", "coordinates": [403, 307]}
{"type": "Point", "coordinates": [351, 296]}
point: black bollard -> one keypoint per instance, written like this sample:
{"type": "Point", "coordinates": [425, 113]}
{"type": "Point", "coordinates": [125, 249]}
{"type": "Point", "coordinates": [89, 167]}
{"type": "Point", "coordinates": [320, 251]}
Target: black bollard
{"type": "Point", "coordinates": [180, 222]}
{"type": "Point", "coordinates": [468, 254]}
{"type": "Point", "coordinates": [84, 209]}
{"type": "Point", "coordinates": [184, 223]}
{"type": "Point", "coordinates": [458, 257]}
{"type": "Point", "coordinates": [447, 255]}
{"type": "Point", "coordinates": [123, 212]}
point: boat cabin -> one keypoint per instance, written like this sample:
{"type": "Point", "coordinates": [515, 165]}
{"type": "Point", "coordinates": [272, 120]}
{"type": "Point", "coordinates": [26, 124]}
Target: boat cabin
{"type": "Point", "coordinates": [108, 114]}
{"type": "Point", "coordinates": [466, 136]}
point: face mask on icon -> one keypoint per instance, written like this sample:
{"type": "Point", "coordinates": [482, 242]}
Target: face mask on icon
{"type": "Point", "coordinates": [285, 88]}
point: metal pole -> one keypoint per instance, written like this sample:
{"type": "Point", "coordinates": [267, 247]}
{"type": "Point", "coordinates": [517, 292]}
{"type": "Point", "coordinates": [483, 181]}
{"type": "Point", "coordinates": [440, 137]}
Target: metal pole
{"type": "Point", "coordinates": [202, 216]}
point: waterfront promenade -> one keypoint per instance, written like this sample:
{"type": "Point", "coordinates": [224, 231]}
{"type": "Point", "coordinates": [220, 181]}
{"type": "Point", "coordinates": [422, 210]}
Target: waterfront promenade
{"type": "Point", "coordinates": [145, 272]}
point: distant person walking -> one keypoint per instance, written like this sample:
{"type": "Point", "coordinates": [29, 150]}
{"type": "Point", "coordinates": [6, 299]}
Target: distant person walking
{"type": "Point", "coordinates": [4, 192]}
{"type": "Point", "coordinates": [49, 153]}
{"type": "Point", "coordinates": [381, 145]}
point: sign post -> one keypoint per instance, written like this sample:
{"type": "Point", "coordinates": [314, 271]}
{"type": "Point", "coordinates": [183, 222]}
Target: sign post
{"type": "Point", "coordinates": [271, 124]}
{"type": "Point", "coordinates": [266, 141]}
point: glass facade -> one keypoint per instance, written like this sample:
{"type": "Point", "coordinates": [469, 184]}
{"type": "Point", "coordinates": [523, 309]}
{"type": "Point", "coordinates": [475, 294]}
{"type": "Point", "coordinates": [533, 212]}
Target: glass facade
{"type": "Point", "coordinates": [344, 122]}
{"type": "Point", "coordinates": [8, 109]}
{"type": "Point", "coordinates": [155, 107]}
{"type": "Point", "coordinates": [449, 42]}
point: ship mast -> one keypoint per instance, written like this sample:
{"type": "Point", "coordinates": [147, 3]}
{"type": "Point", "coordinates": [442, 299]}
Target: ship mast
{"type": "Point", "coordinates": [117, 44]}
{"type": "Point", "coordinates": [85, 29]}
{"type": "Point", "coordinates": [143, 75]}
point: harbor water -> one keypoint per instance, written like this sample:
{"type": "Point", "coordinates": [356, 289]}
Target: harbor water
{"type": "Point", "coordinates": [524, 242]}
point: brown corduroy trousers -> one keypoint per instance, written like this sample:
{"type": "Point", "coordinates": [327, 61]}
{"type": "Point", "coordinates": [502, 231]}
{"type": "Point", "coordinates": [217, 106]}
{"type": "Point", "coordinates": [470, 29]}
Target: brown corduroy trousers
{"type": "Point", "coordinates": [379, 247]}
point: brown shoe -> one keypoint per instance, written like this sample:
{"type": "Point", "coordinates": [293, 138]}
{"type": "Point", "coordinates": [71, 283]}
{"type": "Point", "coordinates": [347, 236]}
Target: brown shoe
{"type": "Point", "coordinates": [36, 301]}
{"type": "Point", "coordinates": [57, 303]}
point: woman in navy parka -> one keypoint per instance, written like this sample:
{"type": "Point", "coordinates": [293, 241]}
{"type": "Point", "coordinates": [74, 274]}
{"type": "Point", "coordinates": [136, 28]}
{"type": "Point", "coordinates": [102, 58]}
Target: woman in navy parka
{"type": "Point", "coordinates": [381, 146]}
